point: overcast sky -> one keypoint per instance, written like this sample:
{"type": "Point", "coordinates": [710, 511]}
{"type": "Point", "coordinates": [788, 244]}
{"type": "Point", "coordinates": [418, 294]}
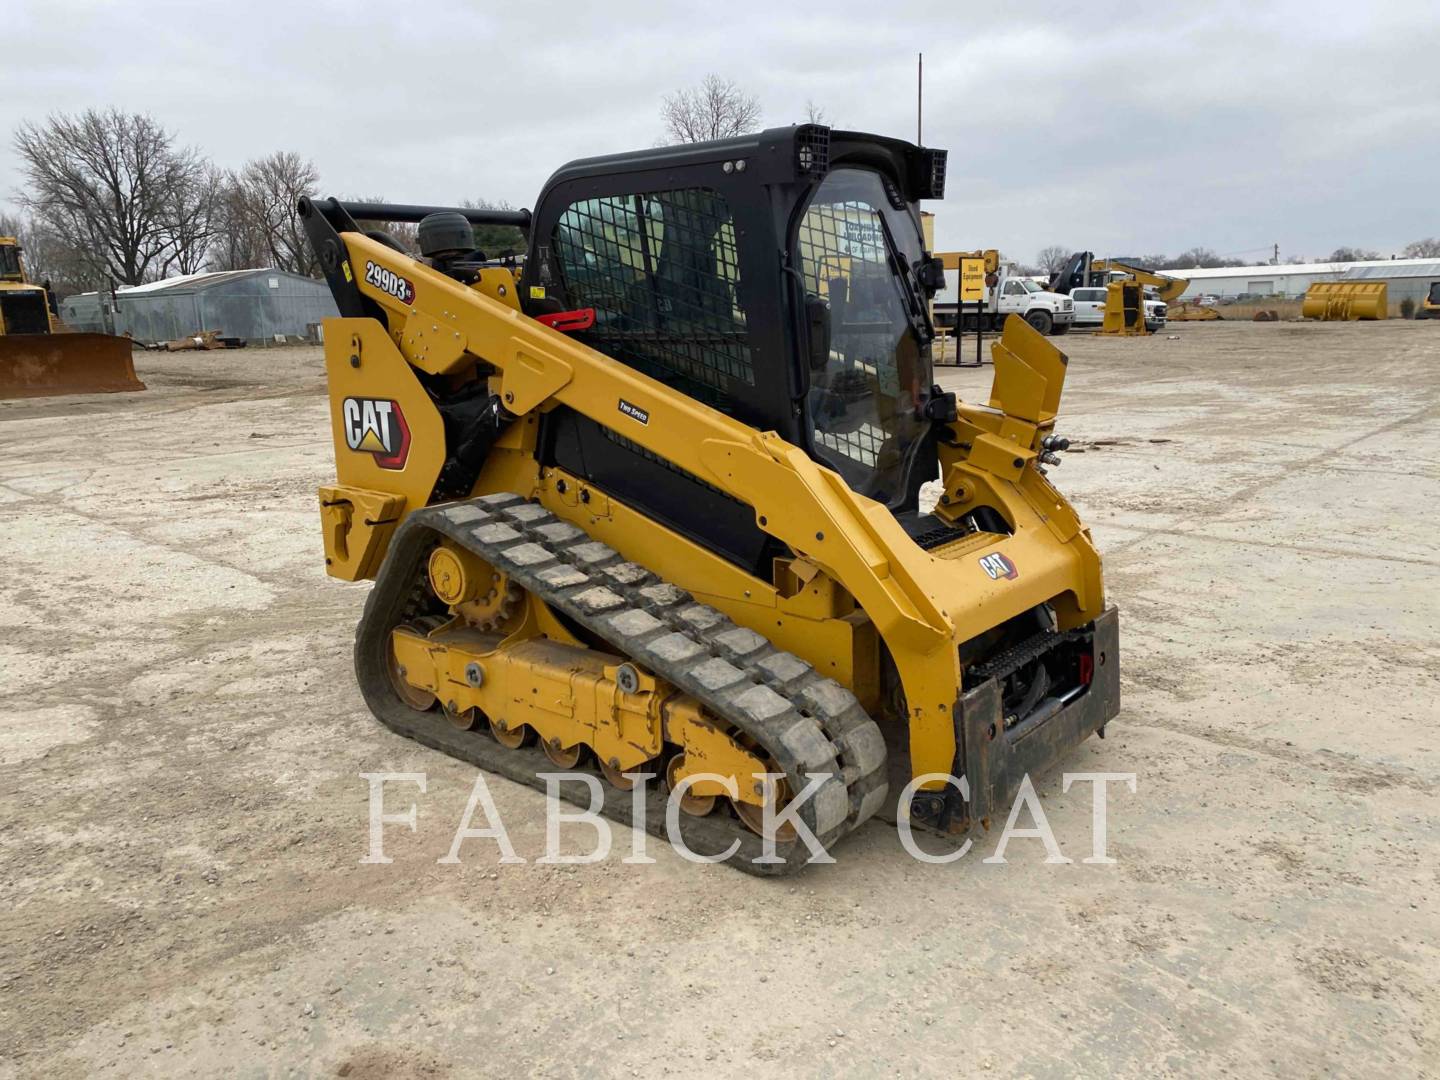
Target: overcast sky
{"type": "Point", "coordinates": [1229, 125]}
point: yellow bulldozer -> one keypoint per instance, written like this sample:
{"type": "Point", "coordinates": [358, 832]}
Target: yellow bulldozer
{"type": "Point", "coordinates": [651, 510]}
{"type": "Point", "coordinates": [38, 356]}
{"type": "Point", "coordinates": [1430, 303]}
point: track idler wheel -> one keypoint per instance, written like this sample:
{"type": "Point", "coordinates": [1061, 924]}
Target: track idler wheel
{"type": "Point", "coordinates": [777, 794]}
{"type": "Point", "coordinates": [696, 805]}
{"type": "Point", "coordinates": [413, 696]}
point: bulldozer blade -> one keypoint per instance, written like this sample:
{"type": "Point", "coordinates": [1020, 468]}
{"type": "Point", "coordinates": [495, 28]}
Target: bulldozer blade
{"type": "Point", "coordinates": [43, 365]}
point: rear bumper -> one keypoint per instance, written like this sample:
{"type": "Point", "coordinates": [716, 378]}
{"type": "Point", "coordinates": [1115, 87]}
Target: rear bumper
{"type": "Point", "coordinates": [996, 760]}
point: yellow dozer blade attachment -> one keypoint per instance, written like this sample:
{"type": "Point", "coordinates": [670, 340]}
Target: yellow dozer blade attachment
{"type": "Point", "coordinates": [1186, 311]}
{"type": "Point", "coordinates": [42, 365]}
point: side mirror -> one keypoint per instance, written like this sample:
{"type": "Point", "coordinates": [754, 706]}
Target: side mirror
{"type": "Point", "coordinates": [931, 274]}
{"type": "Point", "coordinates": [817, 327]}
{"type": "Point", "coordinates": [941, 406]}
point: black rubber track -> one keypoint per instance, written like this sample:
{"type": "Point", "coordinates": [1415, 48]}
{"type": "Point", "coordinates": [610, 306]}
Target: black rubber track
{"type": "Point", "coordinates": [810, 725]}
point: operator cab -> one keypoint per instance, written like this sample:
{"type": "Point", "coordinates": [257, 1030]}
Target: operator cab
{"type": "Point", "coordinates": [682, 253]}
{"type": "Point", "coordinates": [10, 269]}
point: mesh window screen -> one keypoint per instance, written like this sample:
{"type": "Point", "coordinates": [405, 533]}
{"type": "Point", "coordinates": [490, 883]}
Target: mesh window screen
{"type": "Point", "coordinates": [843, 256]}
{"type": "Point", "coordinates": [662, 274]}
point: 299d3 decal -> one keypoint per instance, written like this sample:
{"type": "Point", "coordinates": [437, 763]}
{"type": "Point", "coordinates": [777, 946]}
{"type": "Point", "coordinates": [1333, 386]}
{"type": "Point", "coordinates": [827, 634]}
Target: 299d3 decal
{"type": "Point", "coordinates": [387, 281]}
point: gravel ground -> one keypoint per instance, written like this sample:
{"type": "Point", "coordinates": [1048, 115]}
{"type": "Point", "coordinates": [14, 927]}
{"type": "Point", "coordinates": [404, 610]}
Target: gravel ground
{"type": "Point", "coordinates": [182, 815]}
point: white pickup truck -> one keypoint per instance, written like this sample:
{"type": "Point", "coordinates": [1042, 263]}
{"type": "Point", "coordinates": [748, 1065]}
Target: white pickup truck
{"type": "Point", "coordinates": [1090, 308]}
{"type": "Point", "coordinates": [1048, 312]}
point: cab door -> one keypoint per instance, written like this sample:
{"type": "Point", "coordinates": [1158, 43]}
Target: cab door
{"type": "Point", "coordinates": [1012, 298]}
{"type": "Point", "coordinates": [1089, 306]}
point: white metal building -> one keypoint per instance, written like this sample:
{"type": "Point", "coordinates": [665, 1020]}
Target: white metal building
{"type": "Point", "coordinates": [1407, 277]}
{"type": "Point", "coordinates": [1409, 282]}
{"type": "Point", "coordinates": [256, 305]}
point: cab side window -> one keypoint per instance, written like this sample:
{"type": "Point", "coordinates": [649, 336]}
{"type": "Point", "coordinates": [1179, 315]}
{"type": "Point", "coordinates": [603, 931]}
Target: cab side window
{"type": "Point", "coordinates": [662, 273]}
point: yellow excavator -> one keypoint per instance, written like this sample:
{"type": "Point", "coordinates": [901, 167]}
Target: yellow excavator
{"type": "Point", "coordinates": [1167, 288]}
{"type": "Point", "coordinates": [651, 510]}
{"type": "Point", "coordinates": [1083, 270]}
{"type": "Point", "coordinates": [38, 356]}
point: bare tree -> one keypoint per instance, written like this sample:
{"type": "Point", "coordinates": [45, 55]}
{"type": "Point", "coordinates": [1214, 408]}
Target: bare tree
{"type": "Point", "coordinates": [814, 114]}
{"type": "Point", "coordinates": [1196, 256]}
{"type": "Point", "coordinates": [1429, 248]}
{"type": "Point", "coordinates": [1052, 259]}
{"type": "Point", "coordinates": [269, 189]}
{"type": "Point", "coordinates": [50, 259]}
{"type": "Point", "coordinates": [716, 109]}
{"type": "Point", "coordinates": [404, 233]}
{"type": "Point", "coordinates": [192, 214]}
{"type": "Point", "coordinates": [107, 185]}
{"type": "Point", "coordinates": [1352, 254]}
{"type": "Point", "coordinates": [239, 242]}
{"type": "Point", "coordinates": [495, 240]}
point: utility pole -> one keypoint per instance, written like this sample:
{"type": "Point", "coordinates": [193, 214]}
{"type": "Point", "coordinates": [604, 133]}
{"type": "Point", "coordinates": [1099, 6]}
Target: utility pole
{"type": "Point", "coordinates": [1275, 259]}
{"type": "Point", "coordinates": [919, 95]}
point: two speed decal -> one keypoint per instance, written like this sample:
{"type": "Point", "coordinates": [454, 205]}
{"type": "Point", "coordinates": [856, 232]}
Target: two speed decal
{"type": "Point", "coordinates": [376, 426]}
{"type": "Point", "coordinates": [387, 281]}
{"type": "Point", "coordinates": [635, 412]}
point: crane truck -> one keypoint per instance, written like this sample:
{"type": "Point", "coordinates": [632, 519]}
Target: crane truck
{"type": "Point", "coordinates": [1006, 294]}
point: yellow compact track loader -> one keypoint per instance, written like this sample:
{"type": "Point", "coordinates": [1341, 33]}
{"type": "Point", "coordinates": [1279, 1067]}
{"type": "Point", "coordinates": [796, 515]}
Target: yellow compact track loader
{"type": "Point", "coordinates": [653, 506]}
{"type": "Point", "coordinates": [38, 361]}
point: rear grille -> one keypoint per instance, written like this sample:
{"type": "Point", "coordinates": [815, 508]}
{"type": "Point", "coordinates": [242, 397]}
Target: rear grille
{"type": "Point", "coordinates": [939, 536]}
{"type": "Point", "coordinates": [1011, 660]}
{"type": "Point", "coordinates": [812, 150]}
{"type": "Point", "coordinates": [933, 186]}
